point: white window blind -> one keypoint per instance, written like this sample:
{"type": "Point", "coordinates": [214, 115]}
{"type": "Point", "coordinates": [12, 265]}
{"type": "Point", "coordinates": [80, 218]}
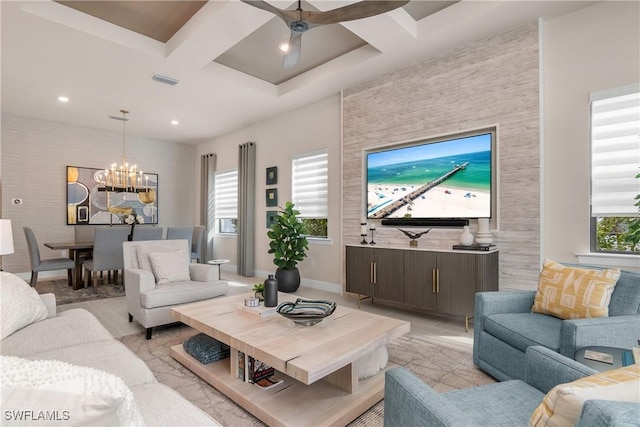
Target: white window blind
{"type": "Point", "coordinates": [310, 184]}
{"type": "Point", "coordinates": [615, 151]}
{"type": "Point", "coordinates": [226, 194]}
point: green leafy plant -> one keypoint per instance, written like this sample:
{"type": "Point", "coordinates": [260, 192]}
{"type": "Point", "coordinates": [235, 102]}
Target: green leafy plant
{"type": "Point", "coordinates": [288, 242]}
{"type": "Point", "coordinates": [258, 287]}
{"type": "Point", "coordinates": [633, 235]}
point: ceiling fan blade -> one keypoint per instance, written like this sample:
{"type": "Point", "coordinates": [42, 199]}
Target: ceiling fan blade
{"type": "Point", "coordinates": [363, 9]}
{"type": "Point", "coordinates": [286, 15]}
{"type": "Point", "coordinates": [295, 48]}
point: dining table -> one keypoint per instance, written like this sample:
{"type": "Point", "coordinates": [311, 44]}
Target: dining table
{"type": "Point", "coordinates": [76, 252]}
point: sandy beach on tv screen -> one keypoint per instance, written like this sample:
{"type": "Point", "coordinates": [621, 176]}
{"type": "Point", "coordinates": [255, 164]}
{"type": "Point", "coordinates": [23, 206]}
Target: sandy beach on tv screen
{"type": "Point", "coordinates": [439, 202]}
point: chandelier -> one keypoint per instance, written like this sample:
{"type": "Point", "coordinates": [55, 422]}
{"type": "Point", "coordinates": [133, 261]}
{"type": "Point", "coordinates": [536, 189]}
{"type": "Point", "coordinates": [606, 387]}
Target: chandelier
{"type": "Point", "coordinates": [124, 177]}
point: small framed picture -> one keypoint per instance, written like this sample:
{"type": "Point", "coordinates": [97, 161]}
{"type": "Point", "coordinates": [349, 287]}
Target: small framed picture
{"type": "Point", "coordinates": [272, 175]}
{"type": "Point", "coordinates": [272, 197]}
{"type": "Point", "coordinates": [271, 218]}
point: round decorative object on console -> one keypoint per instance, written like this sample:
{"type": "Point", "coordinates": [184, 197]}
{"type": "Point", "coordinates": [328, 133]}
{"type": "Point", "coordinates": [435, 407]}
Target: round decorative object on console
{"type": "Point", "coordinates": [466, 238]}
{"type": "Point", "coordinates": [483, 236]}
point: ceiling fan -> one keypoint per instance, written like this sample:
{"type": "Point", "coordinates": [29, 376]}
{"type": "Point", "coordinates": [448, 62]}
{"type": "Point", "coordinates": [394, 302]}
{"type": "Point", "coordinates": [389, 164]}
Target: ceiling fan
{"type": "Point", "coordinates": [300, 21]}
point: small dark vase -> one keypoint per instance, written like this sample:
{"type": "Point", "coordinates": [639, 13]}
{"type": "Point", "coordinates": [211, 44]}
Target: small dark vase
{"type": "Point", "coordinates": [288, 279]}
{"type": "Point", "coordinates": [270, 291]}
{"type": "Point", "coordinates": [130, 236]}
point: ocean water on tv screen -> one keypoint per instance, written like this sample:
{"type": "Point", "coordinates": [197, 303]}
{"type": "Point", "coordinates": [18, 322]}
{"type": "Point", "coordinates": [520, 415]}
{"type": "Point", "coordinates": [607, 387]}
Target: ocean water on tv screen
{"type": "Point", "coordinates": [477, 174]}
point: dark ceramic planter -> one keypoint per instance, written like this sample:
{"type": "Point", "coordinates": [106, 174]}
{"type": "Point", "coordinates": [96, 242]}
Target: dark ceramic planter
{"type": "Point", "coordinates": [288, 280]}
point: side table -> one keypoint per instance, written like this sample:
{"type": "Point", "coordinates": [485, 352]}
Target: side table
{"type": "Point", "coordinates": [219, 263]}
{"type": "Point", "coordinates": [616, 352]}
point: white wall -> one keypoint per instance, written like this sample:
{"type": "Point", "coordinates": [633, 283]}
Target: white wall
{"type": "Point", "coordinates": [593, 49]}
{"type": "Point", "coordinates": [306, 129]}
{"type": "Point", "coordinates": [34, 158]}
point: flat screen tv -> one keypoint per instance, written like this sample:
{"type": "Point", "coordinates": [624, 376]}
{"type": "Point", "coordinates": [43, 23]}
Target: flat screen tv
{"type": "Point", "coordinates": [429, 179]}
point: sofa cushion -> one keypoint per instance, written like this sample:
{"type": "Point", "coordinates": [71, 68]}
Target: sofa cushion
{"type": "Point", "coordinates": [521, 330]}
{"type": "Point", "coordinates": [69, 328]}
{"type": "Point", "coordinates": [20, 305]}
{"type": "Point", "coordinates": [59, 393]}
{"type": "Point", "coordinates": [626, 295]}
{"type": "Point", "coordinates": [108, 355]}
{"type": "Point", "coordinates": [181, 293]}
{"type": "Point", "coordinates": [574, 293]}
{"type": "Point", "coordinates": [163, 406]}
{"type": "Point", "coordinates": [563, 404]}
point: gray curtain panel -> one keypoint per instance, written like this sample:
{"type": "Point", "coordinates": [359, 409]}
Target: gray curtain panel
{"type": "Point", "coordinates": [246, 207]}
{"type": "Point", "coordinates": [207, 203]}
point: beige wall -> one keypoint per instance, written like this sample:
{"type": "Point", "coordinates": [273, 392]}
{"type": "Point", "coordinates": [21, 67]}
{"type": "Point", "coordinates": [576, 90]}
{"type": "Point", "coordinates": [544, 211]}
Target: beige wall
{"type": "Point", "coordinates": [34, 158]}
{"type": "Point", "coordinates": [310, 128]}
{"type": "Point", "coordinates": [590, 50]}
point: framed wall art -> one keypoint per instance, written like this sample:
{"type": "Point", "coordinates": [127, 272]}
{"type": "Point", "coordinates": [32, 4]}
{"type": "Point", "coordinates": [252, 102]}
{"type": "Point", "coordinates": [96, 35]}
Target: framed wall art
{"type": "Point", "coordinates": [271, 218]}
{"type": "Point", "coordinates": [272, 197]}
{"type": "Point", "coordinates": [90, 202]}
{"type": "Point", "coordinates": [272, 175]}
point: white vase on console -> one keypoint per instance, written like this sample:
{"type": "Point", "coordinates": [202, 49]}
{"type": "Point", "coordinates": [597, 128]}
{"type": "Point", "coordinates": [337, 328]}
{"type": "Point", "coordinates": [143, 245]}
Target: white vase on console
{"type": "Point", "coordinates": [466, 238]}
{"type": "Point", "coordinates": [483, 236]}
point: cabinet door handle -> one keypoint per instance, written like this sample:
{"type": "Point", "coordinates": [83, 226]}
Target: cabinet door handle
{"type": "Point", "coordinates": [375, 273]}
{"type": "Point", "coordinates": [370, 272]}
{"type": "Point", "coordinates": [437, 280]}
{"type": "Point", "coordinates": [433, 281]}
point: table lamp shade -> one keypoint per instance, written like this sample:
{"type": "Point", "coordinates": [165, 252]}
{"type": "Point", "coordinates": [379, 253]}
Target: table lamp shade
{"type": "Point", "coordinates": [6, 237]}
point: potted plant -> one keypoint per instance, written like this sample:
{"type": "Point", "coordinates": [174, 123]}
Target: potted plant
{"type": "Point", "coordinates": [258, 291]}
{"type": "Point", "coordinates": [288, 246]}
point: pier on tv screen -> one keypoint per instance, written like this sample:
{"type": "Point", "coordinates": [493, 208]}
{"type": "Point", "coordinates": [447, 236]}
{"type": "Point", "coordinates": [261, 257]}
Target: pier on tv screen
{"type": "Point", "coordinates": [444, 179]}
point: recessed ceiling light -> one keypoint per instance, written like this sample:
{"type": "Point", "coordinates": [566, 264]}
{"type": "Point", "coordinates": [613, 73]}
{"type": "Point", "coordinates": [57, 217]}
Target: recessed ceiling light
{"type": "Point", "coordinates": [63, 99]}
{"type": "Point", "coordinates": [175, 122]}
{"type": "Point", "coordinates": [284, 47]}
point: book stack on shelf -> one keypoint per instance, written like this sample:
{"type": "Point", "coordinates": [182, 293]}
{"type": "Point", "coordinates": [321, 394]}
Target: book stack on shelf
{"type": "Point", "coordinates": [254, 371]}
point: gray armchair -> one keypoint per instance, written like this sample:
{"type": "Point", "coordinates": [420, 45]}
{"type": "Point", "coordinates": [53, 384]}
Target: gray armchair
{"type": "Point", "coordinates": [504, 327]}
{"type": "Point", "coordinates": [149, 302]}
{"type": "Point", "coordinates": [410, 402]}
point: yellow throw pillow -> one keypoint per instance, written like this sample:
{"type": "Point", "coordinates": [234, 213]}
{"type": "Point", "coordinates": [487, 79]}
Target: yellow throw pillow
{"type": "Point", "coordinates": [562, 406]}
{"type": "Point", "coordinates": [574, 293]}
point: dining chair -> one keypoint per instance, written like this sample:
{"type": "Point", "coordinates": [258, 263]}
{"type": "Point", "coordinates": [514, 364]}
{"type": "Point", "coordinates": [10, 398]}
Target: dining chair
{"type": "Point", "coordinates": [147, 233]}
{"type": "Point", "coordinates": [107, 254]}
{"type": "Point", "coordinates": [38, 265]}
{"type": "Point", "coordinates": [186, 233]}
{"type": "Point", "coordinates": [197, 242]}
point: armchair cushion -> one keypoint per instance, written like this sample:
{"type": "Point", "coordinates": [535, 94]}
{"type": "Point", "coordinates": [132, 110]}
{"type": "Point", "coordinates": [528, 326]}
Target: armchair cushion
{"type": "Point", "coordinates": [563, 404]}
{"type": "Point", "coordinates": [20, 305]}
{"type": "Point", "coordinates": [169, 267]}
{"type": "Point", "coordinates": [170, 294]}
{"type": "Point", "coordinates": [521, 330]}
{"type": "Point", "coordinates": [574, 293]}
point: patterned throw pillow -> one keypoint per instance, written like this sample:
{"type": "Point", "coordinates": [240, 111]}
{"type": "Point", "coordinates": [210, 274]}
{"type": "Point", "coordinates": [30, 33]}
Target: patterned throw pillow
{"type": "Point", "coordinates": [574, 293]}
{"type": "Point", "coordinates": [170, 266]}
{"type": "Point", "coordinates": [20, 304]}
{"type": "Point", "coordinates": [563, 404]}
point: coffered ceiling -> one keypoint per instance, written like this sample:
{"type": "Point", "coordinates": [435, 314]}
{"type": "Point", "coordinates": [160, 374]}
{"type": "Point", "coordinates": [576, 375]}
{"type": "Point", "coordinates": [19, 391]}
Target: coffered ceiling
{"type": "Point", "coordinates": [224, 54]}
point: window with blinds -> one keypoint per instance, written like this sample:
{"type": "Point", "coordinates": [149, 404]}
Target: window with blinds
{"type": "Point", "coordinates": [310, 190]}
{"type": "Point", "coordinates": [226, 202]}
{"type": "Point", "coordinates": [615, 165]}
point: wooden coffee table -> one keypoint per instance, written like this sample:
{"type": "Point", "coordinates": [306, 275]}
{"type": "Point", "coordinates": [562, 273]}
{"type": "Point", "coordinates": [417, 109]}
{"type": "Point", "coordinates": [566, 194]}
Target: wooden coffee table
{"type": "Point", "coordinates": [318, 363]}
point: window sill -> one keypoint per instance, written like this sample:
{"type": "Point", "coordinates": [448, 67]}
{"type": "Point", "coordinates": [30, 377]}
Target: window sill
{"type": "Point", "coordinates": [319, 241]}
{"type": "Point", "coordinates": [226, 235]}
{"type": "Point", "coordinates": [623, 261]}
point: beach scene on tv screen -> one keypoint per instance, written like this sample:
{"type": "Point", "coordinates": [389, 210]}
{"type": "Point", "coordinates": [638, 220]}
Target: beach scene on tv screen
{"type": "Point", "coordinates": [445, 179]}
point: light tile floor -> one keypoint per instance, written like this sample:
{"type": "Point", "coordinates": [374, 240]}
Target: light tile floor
{"type": "Point", "coordinates": [447, 330]}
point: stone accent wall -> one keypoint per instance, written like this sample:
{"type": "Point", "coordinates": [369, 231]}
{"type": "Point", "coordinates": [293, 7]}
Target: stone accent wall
{"type": "Point", "coordinates": [491, 82]}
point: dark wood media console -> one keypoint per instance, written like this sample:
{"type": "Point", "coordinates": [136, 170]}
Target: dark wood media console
{"type": "Point", "coordinates": [423, 280]}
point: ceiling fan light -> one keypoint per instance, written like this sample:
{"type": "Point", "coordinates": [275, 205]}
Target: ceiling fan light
{"type": "Point", "coordinates": [284, 47]}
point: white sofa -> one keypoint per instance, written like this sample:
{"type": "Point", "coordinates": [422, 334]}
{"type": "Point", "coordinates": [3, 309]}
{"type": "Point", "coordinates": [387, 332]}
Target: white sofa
{"type": "Point", "coordinates": [77, 338]}
{"type": "Point", "coordinates": [158, 275]}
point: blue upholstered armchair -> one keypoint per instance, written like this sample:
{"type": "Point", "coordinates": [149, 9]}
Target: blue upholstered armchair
{"type": "Point", "coordinates": [504, 327]}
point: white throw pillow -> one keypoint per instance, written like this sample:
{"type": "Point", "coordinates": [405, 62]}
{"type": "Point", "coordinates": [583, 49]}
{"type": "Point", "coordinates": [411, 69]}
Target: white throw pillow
{"type": "Point", "coordinates": [20, 304]}
{"type": "Point", "coordinates": [51, 392]}
{"type": "Point", "coordinates": [170, 266]}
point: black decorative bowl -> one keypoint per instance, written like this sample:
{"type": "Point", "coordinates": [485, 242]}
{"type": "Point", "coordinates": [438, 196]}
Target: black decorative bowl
{"type": "Point", "coordinates": [306, 312]}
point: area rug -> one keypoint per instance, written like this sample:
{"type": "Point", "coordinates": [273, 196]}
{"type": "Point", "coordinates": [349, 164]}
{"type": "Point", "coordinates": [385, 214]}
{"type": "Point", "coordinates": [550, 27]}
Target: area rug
{"type": "Point", "coordinates": [443, 368]}
{"type": "Point", "coordinates": [66, 295]}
